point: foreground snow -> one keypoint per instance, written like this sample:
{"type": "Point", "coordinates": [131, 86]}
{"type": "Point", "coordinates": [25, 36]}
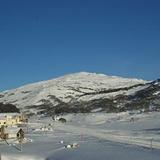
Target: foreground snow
{"type": "Point", "coordinates": [104, 136]}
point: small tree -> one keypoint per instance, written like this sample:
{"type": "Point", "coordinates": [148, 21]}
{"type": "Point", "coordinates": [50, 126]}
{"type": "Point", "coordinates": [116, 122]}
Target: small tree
{"type": "Point", "coordinates": [63, 120]}
{"type": "Point", "coordinates": [20, 137]}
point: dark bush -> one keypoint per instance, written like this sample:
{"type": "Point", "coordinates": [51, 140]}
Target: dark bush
{"type": "Point", "coordinates": [7, 108]}
{"type": "Point", "coordinates": [63, 120]}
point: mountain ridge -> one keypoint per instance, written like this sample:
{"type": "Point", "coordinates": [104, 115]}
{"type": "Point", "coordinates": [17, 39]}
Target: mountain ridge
{"type": "Point", "coordinates": [78, 92]}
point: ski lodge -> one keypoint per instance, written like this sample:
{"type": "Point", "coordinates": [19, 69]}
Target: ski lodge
{"type": "Point", "coordinates": [9, 119]}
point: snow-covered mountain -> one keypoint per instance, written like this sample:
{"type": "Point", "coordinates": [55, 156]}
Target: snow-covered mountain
{"type": "Point", "coordinates": [78, 92]}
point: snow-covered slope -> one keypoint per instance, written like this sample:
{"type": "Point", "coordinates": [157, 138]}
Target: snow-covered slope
{"type": "Point", "coordinates": [65, 88]}
{"type": "Point", "coordinates": [79, 90]}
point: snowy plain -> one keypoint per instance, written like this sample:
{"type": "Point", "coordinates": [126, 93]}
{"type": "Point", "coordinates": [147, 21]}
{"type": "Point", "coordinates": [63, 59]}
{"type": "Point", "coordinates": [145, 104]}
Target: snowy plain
{"type": "Point", "coordinates": [99, 135]}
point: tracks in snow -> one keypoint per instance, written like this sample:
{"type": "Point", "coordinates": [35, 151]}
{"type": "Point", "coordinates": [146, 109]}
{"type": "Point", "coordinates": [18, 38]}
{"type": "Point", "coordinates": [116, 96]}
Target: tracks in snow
{"type": "Point", "coordinates": [111, 136]}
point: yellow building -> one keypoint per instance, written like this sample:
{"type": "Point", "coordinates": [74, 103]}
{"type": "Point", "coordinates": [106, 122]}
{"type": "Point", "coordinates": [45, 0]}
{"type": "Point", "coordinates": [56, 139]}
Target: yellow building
{"type": "Point", "coordinates": [8, 119]}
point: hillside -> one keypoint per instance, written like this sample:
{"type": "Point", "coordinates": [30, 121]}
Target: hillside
{"type": "Point", "coordinates": [84, 92]}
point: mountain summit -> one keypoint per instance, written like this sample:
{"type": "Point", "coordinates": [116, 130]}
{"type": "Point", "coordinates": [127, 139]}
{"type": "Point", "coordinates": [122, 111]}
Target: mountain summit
{"type": "Point", "coordinates": [78, 92]}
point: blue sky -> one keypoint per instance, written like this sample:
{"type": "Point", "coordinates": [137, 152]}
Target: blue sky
{"type": "Point", "coordinates": [43, 39]}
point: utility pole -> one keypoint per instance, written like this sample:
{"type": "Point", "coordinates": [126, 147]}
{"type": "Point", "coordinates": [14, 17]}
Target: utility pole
{"type": "Point", "coordinates": [151, 145]}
